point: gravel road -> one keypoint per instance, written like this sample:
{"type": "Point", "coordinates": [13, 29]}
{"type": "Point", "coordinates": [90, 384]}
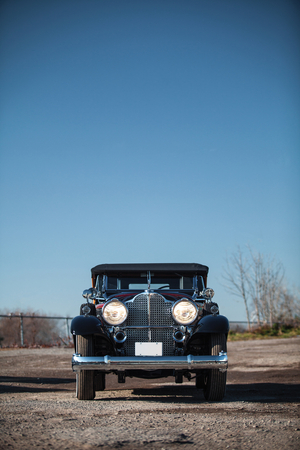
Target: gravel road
{"type": "Point", "coordinates": [39, 410]}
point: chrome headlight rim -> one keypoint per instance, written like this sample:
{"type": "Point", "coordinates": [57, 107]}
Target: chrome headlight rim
{"type": "Point", "coordinates": [114, 322]}
{"type": "Point", "coordinates": [195, 315]}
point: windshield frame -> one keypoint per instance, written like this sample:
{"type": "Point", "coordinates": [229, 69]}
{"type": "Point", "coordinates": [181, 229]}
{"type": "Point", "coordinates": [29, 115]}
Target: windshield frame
{"type": "Point", "coordinates": [171, 281]}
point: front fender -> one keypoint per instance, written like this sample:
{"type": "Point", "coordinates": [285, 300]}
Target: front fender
{"type": "Point", "coordinates": [84, 325]}
{"type": "Point", "coordinates": [212, 324]}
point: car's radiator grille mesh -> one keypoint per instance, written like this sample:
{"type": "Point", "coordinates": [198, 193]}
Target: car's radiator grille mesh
{"type": "Point", "coordinates": [154, 311]}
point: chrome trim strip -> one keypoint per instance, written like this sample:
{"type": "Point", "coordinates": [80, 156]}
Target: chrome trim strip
{"type": "Point", "coordinates": [147, 326]}
{"type": "Point", "coordinates": [111, 363]}
{"type": "Point", "coordinates": [148, 307]}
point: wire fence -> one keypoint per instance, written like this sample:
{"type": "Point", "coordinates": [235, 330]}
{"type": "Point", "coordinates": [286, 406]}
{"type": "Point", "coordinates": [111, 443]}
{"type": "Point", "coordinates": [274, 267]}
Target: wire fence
{"type": "Point", "coordinates": [21, 323]}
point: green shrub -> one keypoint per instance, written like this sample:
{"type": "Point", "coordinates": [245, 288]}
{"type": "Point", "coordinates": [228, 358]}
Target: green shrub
{"type": "Point", "coordinates": [285, 328]}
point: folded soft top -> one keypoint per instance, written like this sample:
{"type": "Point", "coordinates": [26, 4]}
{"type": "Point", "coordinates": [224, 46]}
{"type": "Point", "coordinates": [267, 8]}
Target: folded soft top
{"type": "Point", "coordinates": [181, 268]}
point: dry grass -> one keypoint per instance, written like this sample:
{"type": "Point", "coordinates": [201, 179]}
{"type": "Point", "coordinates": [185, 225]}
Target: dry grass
{"type": "Point", "coordinates": [265, 332]}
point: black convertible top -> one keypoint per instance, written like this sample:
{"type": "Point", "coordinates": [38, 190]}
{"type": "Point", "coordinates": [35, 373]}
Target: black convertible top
{"type": "Point", "coordinates": [118, 269]}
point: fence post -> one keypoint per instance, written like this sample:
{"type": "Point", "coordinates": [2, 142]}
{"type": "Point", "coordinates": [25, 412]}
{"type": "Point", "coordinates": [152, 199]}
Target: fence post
{"type": "Point", "coordinates": [68, 329]}
{"type": "Point", "coordinates": [21, 330]}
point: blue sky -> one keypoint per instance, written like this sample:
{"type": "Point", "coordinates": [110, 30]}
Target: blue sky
{"type": "Point", "coordinates": [145, 131]}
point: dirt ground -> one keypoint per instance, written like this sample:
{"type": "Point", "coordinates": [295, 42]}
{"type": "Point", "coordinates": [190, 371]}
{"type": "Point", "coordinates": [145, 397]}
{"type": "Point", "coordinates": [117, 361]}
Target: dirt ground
{"type": "Point", "coordinates": [39, 410]}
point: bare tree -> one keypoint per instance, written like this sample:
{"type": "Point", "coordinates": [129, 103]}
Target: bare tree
{"type": "Point", "coordinates": [289, 306]}
{"type": "Point", "coordinates": [265, 282]}
{"type": "Point", "coordinates": [237, 278]}
{"type": "Point", "coordinates": [259, 281]}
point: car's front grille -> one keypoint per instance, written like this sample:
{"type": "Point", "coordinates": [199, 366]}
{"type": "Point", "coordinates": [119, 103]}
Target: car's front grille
{"type": "Point", "coordinates": [149, 310]}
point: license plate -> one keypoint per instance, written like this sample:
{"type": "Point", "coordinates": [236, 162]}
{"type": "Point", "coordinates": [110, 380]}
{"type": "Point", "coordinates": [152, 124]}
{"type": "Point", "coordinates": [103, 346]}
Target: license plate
{"type": "Point", "coordinates": [148, 349]}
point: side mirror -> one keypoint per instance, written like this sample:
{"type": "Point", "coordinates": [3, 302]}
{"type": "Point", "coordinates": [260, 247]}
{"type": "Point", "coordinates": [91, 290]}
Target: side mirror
{"type": "Point", "coordinates": [89, 293]}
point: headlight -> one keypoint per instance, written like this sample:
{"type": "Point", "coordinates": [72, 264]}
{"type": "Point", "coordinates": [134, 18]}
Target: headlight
{"type": "Point", "coordinates": [208, 293]}
{"type": "Point", "coordinates": [184, 311]}
{"type": "Point", "coordinates": [214, 310]}
{"type": "Point", "coordinates": [114, 312]}
{"type": "Point", "coordinates": [86, 310]}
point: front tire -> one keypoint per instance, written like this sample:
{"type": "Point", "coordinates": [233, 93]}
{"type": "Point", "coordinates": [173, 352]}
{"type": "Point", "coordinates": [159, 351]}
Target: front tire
{"type": "Point", "coordinates": [85, 378]}
{"type": "Point", "coordinates": [215, 381]}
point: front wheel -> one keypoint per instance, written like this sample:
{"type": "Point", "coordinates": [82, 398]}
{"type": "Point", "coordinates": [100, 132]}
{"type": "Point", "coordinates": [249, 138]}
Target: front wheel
{"type": "Point", "coordinates": [215, 381]}
{"type": "Point", "coordinates": [85, 378]}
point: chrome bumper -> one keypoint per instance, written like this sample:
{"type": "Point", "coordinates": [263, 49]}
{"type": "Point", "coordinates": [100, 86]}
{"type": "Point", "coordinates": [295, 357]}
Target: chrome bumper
{"type": "Point", "coordinates": [115, 363]}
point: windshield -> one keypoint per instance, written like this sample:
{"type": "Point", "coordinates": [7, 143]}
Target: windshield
{"type": "Point", "coordinates": [157, 282]}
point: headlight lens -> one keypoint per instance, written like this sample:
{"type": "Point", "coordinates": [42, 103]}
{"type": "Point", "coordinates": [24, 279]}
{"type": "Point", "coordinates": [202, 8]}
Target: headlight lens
{"type": "Point", "coordinates": [114, 312]}
{"type": "Point", "coordinates": [184, 311]}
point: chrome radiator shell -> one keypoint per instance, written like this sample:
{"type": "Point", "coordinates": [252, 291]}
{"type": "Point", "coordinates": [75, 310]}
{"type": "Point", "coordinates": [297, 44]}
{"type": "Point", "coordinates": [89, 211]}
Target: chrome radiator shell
{"type": "Point", "coordinates": [149, 320]}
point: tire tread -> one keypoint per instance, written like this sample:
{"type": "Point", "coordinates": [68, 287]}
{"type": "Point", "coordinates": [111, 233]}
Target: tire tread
{"type": "Point", "coordinates": [215, 386]}
{"type": "Point", "coordinates": [85, 379]}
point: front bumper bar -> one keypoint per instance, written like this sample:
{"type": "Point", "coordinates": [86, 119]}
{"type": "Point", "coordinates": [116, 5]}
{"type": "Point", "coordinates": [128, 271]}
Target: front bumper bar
{"type": "Point", "coordinates": [115, 363]}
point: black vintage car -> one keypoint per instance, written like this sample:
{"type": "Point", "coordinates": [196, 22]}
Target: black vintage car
{"type": "Point", "coordinates": [150, 321]}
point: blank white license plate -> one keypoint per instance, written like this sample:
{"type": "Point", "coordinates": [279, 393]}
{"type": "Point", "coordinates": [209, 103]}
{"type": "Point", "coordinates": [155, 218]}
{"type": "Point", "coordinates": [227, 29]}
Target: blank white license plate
{"type": "Point", "coordinates": [148, 349]}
